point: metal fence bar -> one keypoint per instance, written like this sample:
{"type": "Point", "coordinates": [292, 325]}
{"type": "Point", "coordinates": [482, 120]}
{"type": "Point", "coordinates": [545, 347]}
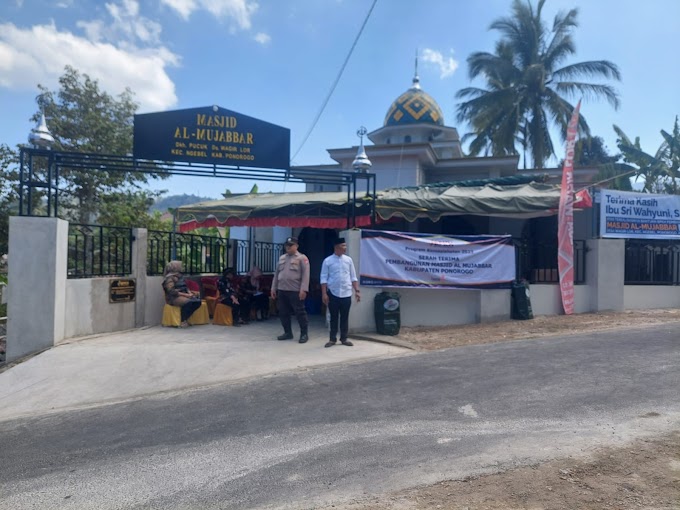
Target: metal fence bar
{"type": "Point", "coordinates": [652, 262]}
{"type": "Point", "coordinates": [537, 262]}
{"type": "Point", "coordinates": [267, 255]}
{"type": "Point", "coordinates": [242, 256]}
{"type": "Point", "coordinates": [98, 250]}
{"type": "Point", "coordinates": [203, 254]}
{"type": "Point", "coordinates": [580, 262]}
{"type": "Point", "coordinates": [200, 254]}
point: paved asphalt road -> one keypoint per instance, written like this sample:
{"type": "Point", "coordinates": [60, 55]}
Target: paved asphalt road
{"type": "Point", "coordinates": [312, 437]}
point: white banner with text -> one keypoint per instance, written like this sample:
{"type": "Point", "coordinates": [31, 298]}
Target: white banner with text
{"type": "Point", "coordinates": [639, 215]}
{"type": "Point", "coordinates": [399, 259]}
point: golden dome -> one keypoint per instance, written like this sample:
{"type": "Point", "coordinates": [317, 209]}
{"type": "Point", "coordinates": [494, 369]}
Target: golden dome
{"type": "Point", "coordinates": [414, 106]}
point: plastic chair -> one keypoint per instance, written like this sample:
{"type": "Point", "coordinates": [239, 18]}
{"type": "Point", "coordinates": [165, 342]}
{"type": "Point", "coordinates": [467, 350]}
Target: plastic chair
{"type": "Point", "coordinates": [210, 292]}
{"type": "Point", "coordinates": [172, 316]}
{"type": "Point", "coordinates": [193, 286]}
{"type": "Point", "coordinates": [202, 315]}
{"type": "Point", "coordinates": [223, 315]}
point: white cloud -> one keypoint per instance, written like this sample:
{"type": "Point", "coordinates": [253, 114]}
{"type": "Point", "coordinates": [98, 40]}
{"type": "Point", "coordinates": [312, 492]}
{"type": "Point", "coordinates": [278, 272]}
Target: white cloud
{"type": "Point", "coordinates": [239, 12]}
{"type": "Point", "coordinates": [128, 24]}
{"type": "Point", "coordinates": [263, 38]}
{"type": "Point", "coordinates": [126, 27]}
{"type": "Point", "coordinates": [447, 66]}
{"type": "Point", "coordinates": [39, 54]}
{"type": "Point", "coordinates": [183, 7]}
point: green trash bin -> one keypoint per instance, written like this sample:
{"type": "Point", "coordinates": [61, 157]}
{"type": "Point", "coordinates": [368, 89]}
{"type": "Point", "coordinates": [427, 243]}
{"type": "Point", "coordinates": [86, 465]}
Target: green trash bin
{"type": "Point", "coordinates": [521, 301]}
{"type": "Point", "coordinates": [387, 309]}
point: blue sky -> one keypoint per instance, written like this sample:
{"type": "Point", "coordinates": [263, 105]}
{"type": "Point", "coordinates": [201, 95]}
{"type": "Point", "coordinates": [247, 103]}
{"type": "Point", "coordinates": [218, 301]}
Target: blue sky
{"type": "Point", "coordinates": [277, 59]}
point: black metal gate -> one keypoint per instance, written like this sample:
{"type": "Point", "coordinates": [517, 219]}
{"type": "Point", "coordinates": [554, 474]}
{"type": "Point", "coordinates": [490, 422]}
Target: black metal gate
{"type": "Point", "coordinates": [40, 169]}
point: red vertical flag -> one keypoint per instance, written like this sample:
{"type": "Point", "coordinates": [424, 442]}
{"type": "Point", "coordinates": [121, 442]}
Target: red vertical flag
{"type": "Point", "coordinates": [565, 218]}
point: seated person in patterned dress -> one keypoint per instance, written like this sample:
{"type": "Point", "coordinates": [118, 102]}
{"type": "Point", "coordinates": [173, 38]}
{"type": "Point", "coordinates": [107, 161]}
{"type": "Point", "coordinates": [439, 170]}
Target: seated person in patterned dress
{"type": "Point", "coordinates": [177, 293]}
{"type": "Point", "coordinates": [259, 300]}
{"type": "Point", "coordinates": [229, 295]}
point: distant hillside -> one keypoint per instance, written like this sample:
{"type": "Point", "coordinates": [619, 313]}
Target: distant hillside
{"type": "Point", "coordinates": [174, 201]}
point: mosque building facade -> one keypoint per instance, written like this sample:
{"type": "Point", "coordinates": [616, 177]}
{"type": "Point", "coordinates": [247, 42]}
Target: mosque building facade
{"type": "Point", "coordinates": [415, 147]}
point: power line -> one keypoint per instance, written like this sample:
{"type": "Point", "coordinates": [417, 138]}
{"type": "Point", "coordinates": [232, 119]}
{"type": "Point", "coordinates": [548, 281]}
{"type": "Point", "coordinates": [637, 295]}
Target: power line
{"type": "Point", "coordinates": [335, 83]}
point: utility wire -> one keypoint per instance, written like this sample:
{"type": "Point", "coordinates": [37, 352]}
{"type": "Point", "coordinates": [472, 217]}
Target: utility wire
{"type": "Point", "coordinates": [335, 83]}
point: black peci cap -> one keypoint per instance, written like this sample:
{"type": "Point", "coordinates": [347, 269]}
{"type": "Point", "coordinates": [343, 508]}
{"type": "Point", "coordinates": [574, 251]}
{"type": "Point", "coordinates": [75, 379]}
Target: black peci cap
{"type": "Point", "coordinates": [339, 240]}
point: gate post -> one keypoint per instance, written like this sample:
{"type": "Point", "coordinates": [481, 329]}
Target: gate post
{"type": "Point", "coordinates": [38, 249]}
{"type": "Point", "coordinates": [605, 273]}
{"type": "Point", "coordinates": [139, 259]}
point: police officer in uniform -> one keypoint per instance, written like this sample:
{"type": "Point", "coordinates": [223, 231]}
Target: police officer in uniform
{"type": "Point", "coordinates": [290, 287]}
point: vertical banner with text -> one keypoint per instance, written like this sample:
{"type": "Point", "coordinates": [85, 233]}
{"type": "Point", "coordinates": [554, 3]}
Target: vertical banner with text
{"type": "Point", "coordinates": [565, 218]}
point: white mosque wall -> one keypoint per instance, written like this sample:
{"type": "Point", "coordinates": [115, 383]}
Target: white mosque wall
{"type": "Point", "coordinates": [89, 311]}
{"type": "Point", "coordinates": [261, 234]}
{"type": "Point", "coordinates": [640, 297]}
{"type": "Point", "coordinates": [396, 172]}
{"type": "Point", "coordinates": [279, 234]}
{"type": "Point", "coordinates": [76, 307]}
{"type": "Point", "coordinates": [240, 233]}
{"type": "Point", "coordinates": [604, 290]}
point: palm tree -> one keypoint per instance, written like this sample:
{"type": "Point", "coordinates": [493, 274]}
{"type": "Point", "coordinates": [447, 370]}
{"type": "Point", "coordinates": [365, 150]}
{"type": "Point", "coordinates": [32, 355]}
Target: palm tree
{"type": "Point", "coordinates": [526, 89]}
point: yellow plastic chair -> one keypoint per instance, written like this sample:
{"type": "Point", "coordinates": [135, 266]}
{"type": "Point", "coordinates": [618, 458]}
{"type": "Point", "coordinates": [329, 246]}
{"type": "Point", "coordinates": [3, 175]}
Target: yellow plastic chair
{"type": "Point", "coordinates": [200, 316]}
{"type": "Point", "coordinates": [210, 292]}
{"type": "Point", "coordinates": [172, 316]}
{"type": "Point", "coordinates": [223, 315]}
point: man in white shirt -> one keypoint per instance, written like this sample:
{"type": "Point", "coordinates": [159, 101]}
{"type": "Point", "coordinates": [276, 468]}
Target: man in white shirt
{"type": "Point", "coordinates": [338, 279]}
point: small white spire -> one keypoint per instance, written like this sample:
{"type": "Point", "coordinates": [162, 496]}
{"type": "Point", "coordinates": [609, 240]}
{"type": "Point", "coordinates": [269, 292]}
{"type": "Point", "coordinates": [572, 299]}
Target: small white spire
{"type": "Point", "coordinates": [40, 136]}
{"type": "Point", "coordinates": [361, 163]}
{"type": "Point", "coordinates": [416, 79]}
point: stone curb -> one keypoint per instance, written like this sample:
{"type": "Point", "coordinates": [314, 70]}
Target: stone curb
{"type": "Point", "coordinates": [389, 340]}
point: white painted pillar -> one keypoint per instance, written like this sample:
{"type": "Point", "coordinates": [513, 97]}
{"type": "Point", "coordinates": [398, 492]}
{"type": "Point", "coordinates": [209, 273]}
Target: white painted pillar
{"type": "Point", "coordinates": [37, 284]}
{"type": "Point", "coordinates": [361, 315]}
{"type": "Point", "coordinates": [605, 273]}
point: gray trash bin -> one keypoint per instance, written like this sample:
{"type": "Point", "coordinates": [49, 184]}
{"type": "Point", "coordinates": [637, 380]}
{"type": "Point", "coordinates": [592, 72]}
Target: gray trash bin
{"type": "Point", "coordinates": [521, 301]}
{"type": "Point", "coordinates": [387, 308]}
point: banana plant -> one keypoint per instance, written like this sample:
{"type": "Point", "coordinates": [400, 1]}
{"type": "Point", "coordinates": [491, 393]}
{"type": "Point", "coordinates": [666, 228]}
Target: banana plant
{"type": "Point", "coordinates": [660, 172]}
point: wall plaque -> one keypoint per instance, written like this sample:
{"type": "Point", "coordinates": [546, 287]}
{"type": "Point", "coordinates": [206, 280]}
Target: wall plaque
{"type": "Point", "coordinates": [122, 290]}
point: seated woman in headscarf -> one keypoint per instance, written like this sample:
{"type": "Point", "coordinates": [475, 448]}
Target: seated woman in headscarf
{"type": "Point", "coordinates": [177, 293]}
{"type": "Point", "coordinates": [229, 296]}
{"type": "Point", "coordinates": [258, 299]}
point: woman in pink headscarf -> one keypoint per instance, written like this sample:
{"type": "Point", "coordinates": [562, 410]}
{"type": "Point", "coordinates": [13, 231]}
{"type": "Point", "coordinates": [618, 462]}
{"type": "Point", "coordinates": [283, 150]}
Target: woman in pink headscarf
{"type": "Point", "coordinates": [258, 299]}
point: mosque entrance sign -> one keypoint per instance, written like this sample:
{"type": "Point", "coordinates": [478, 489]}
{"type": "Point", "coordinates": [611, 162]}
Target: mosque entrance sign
{"type": "Point", "coordinates": [202, 142]}
{"type": "Point", "coordinates": [211, 135]}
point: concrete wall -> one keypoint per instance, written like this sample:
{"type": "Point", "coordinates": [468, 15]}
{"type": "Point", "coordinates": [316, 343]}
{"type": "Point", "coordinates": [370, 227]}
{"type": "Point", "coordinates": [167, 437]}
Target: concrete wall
{"type": "Point", "coordinates": [395, 171]}
{"type": "Point", "coordinates": [640, 297]}
{"type": "Point", "coordinates": [89, 312]}
{"type": "Point", "coordinates": [604, 290]}
{"type": "Point", "coordinates": [494, 305]}
{"type": "Point", "coordinates": [605, 272]}
{"type": "Point", "coordinates": [155, 299]}
{"type": "Point", "coordinates": [37, 284]}
{"type": "Point", "coordinates": [440, 307]}
{"type": "Point", "coordinates": [546, 299]}
{"type": "Point", "coordinates": [44, 307]}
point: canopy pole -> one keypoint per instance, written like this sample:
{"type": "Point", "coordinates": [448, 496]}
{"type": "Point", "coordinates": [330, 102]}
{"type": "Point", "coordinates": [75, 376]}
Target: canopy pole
{"type": "Point", "coordinates": [348, 205]}
{"type": "Point", "coordinates": [174, 235]}
{"type": "Point", "coordinates": [354, 201]}
{"type": "Point", "coordinates": [375, 199]}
